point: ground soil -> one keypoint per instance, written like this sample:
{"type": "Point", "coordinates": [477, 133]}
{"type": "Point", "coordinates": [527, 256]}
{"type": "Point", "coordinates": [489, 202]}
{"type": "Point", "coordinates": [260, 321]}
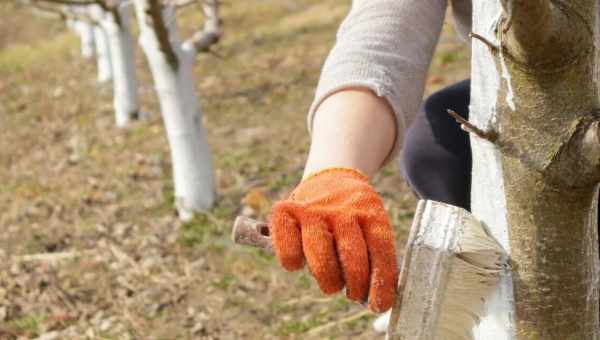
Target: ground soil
{"type": "Point", "coordinates": [90, 246]}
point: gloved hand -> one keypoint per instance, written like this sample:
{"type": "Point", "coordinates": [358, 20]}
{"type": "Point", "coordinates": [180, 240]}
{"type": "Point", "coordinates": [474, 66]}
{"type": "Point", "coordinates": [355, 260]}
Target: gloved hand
{"type": "Point", "coordinates": [336, 221]}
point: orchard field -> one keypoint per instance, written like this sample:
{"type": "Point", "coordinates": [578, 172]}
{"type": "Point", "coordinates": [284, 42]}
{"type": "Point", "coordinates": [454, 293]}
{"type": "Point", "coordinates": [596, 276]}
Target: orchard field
{"type": "Point", "coordinates": [90, 246]}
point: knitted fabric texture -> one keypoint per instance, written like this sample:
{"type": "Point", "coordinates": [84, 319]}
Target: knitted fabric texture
{"type": "Point", "coordinates": [387, 46]}
{"type": "Point", "coordinates": [335, 221]}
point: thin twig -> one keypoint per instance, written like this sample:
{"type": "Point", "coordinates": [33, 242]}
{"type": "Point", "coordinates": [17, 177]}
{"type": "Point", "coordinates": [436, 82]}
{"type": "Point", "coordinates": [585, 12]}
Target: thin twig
{"type": "Point", "coordinates": [70, 2]}
{"type": "Point", "coordinates": [345, 320]}
{"type": "Point", "coordinates": [493, 48]}
{"type": "Point", "coordinates": [184, 3]}
{"type": "Point", "coordinates": [467, 126]}
{"type": "Point", "coordinates": [49, 257]}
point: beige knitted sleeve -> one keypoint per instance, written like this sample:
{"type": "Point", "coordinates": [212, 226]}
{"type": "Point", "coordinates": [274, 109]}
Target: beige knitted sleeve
{"type": "Point", "coordinates": [386, 46]}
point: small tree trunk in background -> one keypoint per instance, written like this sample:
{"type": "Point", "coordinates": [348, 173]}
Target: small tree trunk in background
{"type": "Point", "coordinates": [116, 25]}
{"type": "Point", "coordinates": [534, 185]}
{"type": "Point", "coordinates": [102, 46]}
{"type": "Point", "coordinates": [85, 30]}
{"type": "Point", "coordinates": [172, 71]}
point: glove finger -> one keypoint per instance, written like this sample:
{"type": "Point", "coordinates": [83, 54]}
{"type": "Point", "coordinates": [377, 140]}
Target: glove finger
{"type": "Point", "coordinates": [286, 237]}
{"type": "Point", "coordinates": [353, 257]}
{"type": "Point", "coordinates": [381, 245]}
{"type": "Point", "coordinates": [319, 249]}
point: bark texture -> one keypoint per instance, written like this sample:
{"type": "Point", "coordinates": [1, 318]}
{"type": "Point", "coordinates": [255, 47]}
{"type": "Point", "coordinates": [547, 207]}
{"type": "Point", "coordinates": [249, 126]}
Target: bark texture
{"type": "Point", "coordinates": [546, 153]}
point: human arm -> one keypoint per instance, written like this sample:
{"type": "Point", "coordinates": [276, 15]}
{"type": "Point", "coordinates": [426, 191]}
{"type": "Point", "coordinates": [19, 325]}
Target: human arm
{"type": "Point", "coordinates": [343, 132]}
{"type": "Point", "coordinates": [370, 88]}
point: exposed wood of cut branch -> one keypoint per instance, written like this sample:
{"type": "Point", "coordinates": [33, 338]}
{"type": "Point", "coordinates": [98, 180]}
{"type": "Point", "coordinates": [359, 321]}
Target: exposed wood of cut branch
{"type": "Point", "coordinates": [211, 33]}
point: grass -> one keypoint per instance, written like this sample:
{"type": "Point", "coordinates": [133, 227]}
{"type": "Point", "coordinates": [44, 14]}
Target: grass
{"type": "Point", "coordinates": [28, 325]}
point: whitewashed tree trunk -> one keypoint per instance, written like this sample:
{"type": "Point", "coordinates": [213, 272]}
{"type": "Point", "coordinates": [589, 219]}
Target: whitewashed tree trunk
{"type": "Point", "coordinates": [116, 25]}
{"type": "Point", "coordinates": [487, 176]}
{"type": "Point", "coordinates": [102, 55]}
{"type": "Point", "coordinates": [172, 71]}
{"type": "Point", "coordinates": [534, 186]}
{"type": "Point", "coordinates": [85, 30]}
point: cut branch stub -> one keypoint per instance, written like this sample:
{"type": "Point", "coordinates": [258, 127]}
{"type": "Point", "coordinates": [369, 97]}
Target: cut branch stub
{"type": "Point", "coordinates": [249, 232]}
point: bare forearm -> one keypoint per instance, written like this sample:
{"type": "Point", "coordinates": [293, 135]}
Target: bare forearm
{"type": "Point", "coordinates": [353, 128]}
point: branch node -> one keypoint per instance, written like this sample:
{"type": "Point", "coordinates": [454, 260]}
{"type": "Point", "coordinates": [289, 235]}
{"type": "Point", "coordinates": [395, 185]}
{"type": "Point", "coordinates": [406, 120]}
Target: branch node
{"type": "Point", "coordinates": [490, 135]}
{"type": "Point", "coordinates": [493, 48]}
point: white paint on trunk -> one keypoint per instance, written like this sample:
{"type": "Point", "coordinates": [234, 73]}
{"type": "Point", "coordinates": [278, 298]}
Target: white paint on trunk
{"type": "Point", "coordinates": [102, 55]}
{"type": "Point", "coordinates": [487, 177]}
{"type": "Point", "coordinates": [191, 158]}
{"type": "Point", "coordinates": [510, 95]}
{"type": "Point", "coordinates": [85, 30]}
{"type": "Point", "coordinates": [122, 57]}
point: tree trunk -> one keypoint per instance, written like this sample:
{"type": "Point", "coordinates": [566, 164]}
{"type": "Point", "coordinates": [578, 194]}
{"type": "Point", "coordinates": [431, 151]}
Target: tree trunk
{"type": "Point", "coordinates": [116, 25]}
{"type": "Point", "coordinates": [85, 30]}
{"type": "Point", "coordinates": [102, 48]}
{"type": "Point", "coordinates": [534, 185]}
{"type": "Point", "coordinates": [172, 70]}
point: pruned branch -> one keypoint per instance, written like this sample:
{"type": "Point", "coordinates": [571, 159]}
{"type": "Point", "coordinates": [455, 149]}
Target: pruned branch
{"type": "Point", "coordinates": [211, 34]}
{"type": "Point", "coordinates": [490, 136]}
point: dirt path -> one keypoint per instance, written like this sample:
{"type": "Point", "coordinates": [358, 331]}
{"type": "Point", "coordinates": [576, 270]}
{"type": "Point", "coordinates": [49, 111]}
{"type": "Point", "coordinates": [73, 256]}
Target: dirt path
{"type": "Point", "coordinates": [90, 247]}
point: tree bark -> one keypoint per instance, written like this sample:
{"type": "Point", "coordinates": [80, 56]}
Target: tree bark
{"type": "Point", "coordinates": [535, 186]}
{"type": "Point", "coordinates": [85, 30]}
{"type": "Point", "coordinates": [104, 63]}
{"type": "Point", "coordinates": [116, 25]}
{"type": "Point", "coordinates": [172, 70]}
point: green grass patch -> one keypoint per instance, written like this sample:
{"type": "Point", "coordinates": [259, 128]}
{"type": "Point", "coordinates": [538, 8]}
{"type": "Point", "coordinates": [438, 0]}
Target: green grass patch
{"type": "Point", "coordinates": [31, 325]}
{"type": "Point", "coordinates": [21, 57]}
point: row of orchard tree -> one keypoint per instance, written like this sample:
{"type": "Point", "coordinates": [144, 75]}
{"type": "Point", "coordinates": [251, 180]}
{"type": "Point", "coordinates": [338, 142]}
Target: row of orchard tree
{"type": "Point", "coordinates": [104, 28]}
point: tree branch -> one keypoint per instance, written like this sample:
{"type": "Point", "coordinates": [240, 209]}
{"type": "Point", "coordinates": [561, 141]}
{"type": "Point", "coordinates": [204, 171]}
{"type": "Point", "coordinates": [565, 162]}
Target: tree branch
{"type": "Point", "coordinates": [154, 12]}
{"type": "Point", "coordinates": [70, 2]}
{"type": "Point", "coordinates": [62, 13]}
{"type": "Point", "coordinates": [211, 34]}
{"type": "Point", "coordinates": [539, 32]}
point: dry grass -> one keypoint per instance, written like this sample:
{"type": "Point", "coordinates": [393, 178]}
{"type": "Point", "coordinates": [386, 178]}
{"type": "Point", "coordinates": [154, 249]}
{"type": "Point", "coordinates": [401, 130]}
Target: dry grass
{"type": "Point", "coordinates": [71, 183]}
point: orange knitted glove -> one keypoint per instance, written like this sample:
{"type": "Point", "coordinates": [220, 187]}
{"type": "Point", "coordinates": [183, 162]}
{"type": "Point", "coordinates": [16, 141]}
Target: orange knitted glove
{"type": "Point", "coordinates": [336, 221]}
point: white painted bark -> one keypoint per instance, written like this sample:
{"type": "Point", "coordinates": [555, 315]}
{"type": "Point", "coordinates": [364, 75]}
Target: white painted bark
{"type": "Point", "coordinates": [122, 57]}
{"type": "Point", "coordinates": [191, 157]}
{"type": "Point", "coordinates": [488, 203]}
{"type": "Point", "coordinates": [85, 30]}
{"type": "Point", "coordinates": [104, 64]}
